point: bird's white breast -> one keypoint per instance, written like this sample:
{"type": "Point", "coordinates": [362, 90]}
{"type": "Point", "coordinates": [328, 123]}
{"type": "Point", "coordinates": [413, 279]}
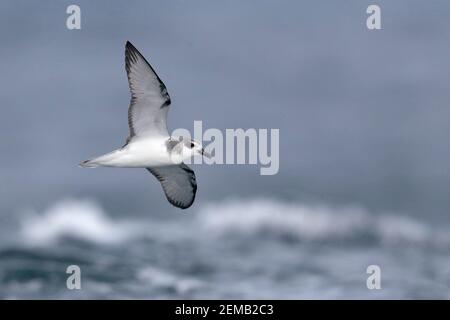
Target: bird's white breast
{"type": "Point", "coordinates": [142, 152]}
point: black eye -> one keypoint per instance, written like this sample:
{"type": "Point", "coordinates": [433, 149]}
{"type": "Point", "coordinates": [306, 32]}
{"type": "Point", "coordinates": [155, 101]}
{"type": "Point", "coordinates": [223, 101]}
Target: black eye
{"type": "Point", "coordinates": [192, 145]}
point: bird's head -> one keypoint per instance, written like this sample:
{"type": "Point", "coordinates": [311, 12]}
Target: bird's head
{"type": "Point", "coordinates": [192, 148]}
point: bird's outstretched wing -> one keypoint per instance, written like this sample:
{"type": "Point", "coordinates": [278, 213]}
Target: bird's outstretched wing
{"type": "Point", "coordinates": [150, 101]}
{"type": "Point", "coordinates": [178, 183]}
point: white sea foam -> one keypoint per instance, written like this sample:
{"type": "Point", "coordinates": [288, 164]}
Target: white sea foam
{"type": "Point", "coordinates": [289, 218]}
{"type": "Point", "coordinates": [82, 219]}
{"type": "Point", "coordinates": [87, 220]}
{"type": "Point", "coordinates": [316, 222]}
{"type": "Point", "coordinates": [160, 278]}
{"type": "Point", "coordinates": [349, 239]}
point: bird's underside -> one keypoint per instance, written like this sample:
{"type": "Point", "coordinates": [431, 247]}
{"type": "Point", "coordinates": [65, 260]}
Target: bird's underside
{"type": "Point", "coordinates": [149, 144]}
{"type": "Point", "coordinates": [178, 183]}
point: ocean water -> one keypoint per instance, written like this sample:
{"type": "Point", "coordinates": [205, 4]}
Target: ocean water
{"type": "Point", "coordinates": [257, 248]}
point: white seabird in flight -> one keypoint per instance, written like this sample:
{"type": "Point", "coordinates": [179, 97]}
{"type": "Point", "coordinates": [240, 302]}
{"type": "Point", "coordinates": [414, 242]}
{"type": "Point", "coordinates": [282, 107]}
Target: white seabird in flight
{"type": "Point", "coordinates": [149, 144]}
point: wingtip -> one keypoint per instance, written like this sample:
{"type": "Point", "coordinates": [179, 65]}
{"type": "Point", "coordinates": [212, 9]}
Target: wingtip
{"type": "Point", "coordinates": [130, 51]}
{"type": "Point", "coordinates": [129, 45]}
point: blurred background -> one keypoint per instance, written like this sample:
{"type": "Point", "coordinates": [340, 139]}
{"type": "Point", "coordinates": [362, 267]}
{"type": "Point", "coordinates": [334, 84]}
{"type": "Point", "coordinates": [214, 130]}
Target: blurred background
{"type": "Point", "coordinates": [364, 174]}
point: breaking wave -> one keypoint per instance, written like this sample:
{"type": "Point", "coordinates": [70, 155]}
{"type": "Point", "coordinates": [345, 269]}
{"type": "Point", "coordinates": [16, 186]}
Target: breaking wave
{"type": "Point", "coordinates": [86, 220]}
{"type": "Point", "coordinates": [316, 222]}
{"type": "Point", "coordinates": [250, 248]}
{"type": "Point", "coordinates": [81, 219]}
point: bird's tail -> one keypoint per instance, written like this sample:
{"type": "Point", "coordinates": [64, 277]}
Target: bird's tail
{"type": "Point", "coordinates": [89, 164]}
{"type": "Point", "coordinates": [104, 160]}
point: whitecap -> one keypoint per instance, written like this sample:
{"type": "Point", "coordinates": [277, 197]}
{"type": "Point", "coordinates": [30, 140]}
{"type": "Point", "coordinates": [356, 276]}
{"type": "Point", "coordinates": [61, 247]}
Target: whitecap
{"type": "Point", "coordinates": [316, 222]}
{"type": "Point", "coordinates": [82, 219]}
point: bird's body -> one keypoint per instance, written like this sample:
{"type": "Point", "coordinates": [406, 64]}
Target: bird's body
{"type": "Point", "coordinates": [139, 153]}
{"type": "Point", "coordinates": [149, 144]}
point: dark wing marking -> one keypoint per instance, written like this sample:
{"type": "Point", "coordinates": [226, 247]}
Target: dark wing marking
{"type": "Point", "coordinates": [178, 183]}
{"type": "Point", "coordinates": [150, 101]}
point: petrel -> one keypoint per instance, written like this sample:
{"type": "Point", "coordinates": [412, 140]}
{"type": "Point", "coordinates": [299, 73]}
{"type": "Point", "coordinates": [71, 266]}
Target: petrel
{"type": "Point", "coordinates": [149, 144]}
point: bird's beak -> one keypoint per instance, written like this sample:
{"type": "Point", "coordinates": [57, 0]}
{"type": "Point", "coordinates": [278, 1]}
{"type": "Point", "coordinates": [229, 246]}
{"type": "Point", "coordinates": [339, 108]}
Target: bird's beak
{"type": "Point", "coordinates": [205, 154]}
